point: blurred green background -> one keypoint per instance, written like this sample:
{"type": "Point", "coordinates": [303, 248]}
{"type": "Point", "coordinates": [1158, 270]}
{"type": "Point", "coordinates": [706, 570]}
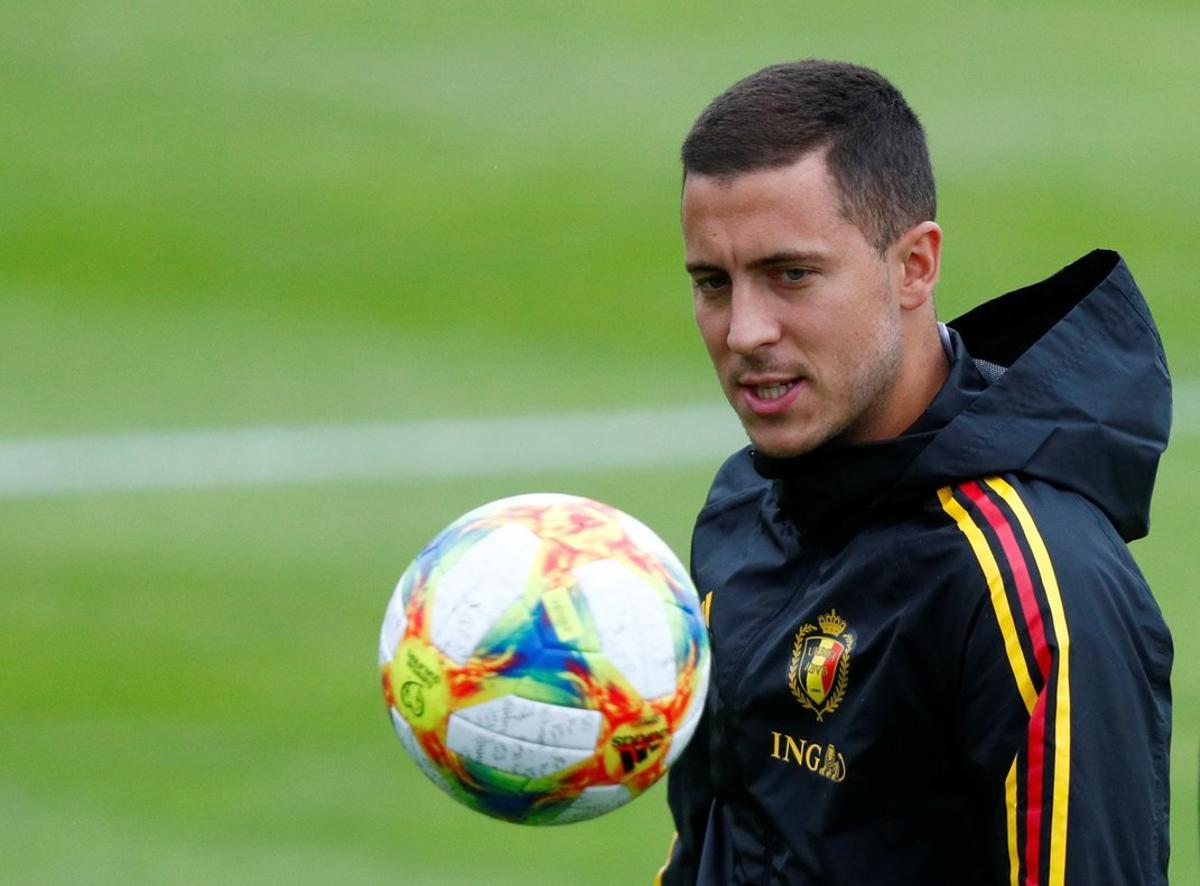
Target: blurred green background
{"type": "Point", "coordinates": [225, 214]}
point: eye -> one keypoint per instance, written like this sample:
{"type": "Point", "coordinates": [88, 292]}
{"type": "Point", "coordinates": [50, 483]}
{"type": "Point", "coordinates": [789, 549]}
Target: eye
{"type": "Point", "coordinates": [710, 283]}
{"type": "Point", "coordinates": [793, 275]}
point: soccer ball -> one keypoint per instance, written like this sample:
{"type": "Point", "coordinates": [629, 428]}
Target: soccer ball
{"type": "Point", "coordinates": [544, 659]}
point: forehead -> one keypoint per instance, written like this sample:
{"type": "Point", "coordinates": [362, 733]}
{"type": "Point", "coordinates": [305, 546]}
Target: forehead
{"type": "Point", "coordinates": [764, 209]}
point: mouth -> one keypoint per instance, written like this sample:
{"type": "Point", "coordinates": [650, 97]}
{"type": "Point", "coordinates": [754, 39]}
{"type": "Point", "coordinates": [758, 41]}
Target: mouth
{"type": "Point", "coordinates": [769, 396]}
{"type": "Point", "coordinates": [774, 391]}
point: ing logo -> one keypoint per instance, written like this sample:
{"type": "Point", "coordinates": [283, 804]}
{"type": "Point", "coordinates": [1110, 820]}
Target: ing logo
{"type": "Point", "coordinates": [824, 760]}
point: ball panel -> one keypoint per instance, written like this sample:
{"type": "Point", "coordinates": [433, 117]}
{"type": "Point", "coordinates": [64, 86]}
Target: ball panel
{"type": "Point", "coordinates": [691, 719]}
{"type": "Point", "coordinates": [416, 682]}
{"type": "Point", "coordinates": [631, 620]}
{"type": "Point", "coordinates": [633, 752]}
{"type": "Point", "coordinates": [409, 739]}
{"type": "Point", "coordinates": [500, 562]}
{"type": "Point", "coordinates": [592, 802]}
{"type": "Point", "coordinates": [394, 622]}
{"type": "Point", "coordinates": [524, 758]}
{"type": "Point", "coordinates": [552, 725]}
{"type": "Point", "coordinates": [646, 539]}
{"type": "Point", "coordinates": [564, 621]}
{"type": "Point", "coordinates": [557, 677]}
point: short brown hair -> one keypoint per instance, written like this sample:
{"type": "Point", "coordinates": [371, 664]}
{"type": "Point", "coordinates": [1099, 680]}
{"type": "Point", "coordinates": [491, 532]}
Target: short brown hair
{"type": "Point", "coordinates": [874, 144]}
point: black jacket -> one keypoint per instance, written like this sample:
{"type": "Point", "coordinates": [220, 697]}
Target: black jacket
{"type": "Point", "coordinates": [934, 660]}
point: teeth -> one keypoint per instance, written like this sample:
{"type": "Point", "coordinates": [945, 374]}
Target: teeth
{"type": "Point", "coordinates": [772, 392]}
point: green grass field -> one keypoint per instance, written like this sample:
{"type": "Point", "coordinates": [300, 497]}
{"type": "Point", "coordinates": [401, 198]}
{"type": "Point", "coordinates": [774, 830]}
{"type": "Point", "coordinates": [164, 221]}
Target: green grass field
{"type": "Point", "coordinates": [226, 215]}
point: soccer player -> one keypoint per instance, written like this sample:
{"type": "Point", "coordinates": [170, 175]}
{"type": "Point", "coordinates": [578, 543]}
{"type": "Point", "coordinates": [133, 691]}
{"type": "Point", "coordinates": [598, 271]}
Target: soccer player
{"type": "Point", "coordinates": [934, 659]}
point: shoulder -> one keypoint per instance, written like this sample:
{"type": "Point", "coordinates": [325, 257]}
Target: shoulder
{"type": "Point", "coordinates": [1054, 558]}
{"type": "Point", "coordinates": [1106, 600]}
{"type": "Point", "coordinates": [1036, 526]}
{"type": "Point", "coordinates": [1028, 523]}
{"type": "Point", "coordinates": [735, 480]}
{"type": "Point", "coordinates": [736, 487]}
{"type": "Point", "coordinates": [738, 511]}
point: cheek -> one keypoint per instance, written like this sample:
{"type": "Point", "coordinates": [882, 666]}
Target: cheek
{"type": "Point", "coordinates": [713, 329]}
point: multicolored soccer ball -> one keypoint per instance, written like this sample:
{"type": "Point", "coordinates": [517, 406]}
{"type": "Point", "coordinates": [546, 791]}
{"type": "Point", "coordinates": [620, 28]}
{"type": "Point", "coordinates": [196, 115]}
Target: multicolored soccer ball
{"type": "Point", "coordinates": [544, 659]}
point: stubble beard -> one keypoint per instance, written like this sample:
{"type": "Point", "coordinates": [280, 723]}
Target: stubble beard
{"type": "Point", "coordinates": [871, 390]}
{"type": "Point", "coordinates": [871, 383]}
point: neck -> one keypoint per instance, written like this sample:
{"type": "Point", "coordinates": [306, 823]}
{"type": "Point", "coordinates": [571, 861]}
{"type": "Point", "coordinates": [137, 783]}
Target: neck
{"type": "Point", "coordinates": [924, 368]}
{"type": "Point", "coordinates": [922, 375]}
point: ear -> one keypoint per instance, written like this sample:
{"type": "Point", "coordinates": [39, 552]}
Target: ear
{"type": "Point", "coordinates": [918, 260]}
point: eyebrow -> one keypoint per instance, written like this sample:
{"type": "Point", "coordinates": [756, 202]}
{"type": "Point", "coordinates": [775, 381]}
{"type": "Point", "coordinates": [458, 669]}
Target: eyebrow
{"type": "Point", "coordinates": [790, 257]}
{"type": "Point", "coordinates": [775, 258]}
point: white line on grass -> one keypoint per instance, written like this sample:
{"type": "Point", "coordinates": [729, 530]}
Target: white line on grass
{"type": "Point", "coordinates": [263, 456]}
{"type": "Point", "coordinates": [452, 448]}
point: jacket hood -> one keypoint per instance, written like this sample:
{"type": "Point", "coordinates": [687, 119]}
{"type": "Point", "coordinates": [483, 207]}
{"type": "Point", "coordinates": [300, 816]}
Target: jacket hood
{"type": "Point", "coordinates": [1065, 381]}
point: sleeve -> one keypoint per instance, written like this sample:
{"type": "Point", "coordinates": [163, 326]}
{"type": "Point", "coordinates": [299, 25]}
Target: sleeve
{"type": "Point", "coordinates": [1065, 699]}
{"type": "Point", "coordinates": [689, 787]}
{"type": "Point", "coordinates": [689, 796]}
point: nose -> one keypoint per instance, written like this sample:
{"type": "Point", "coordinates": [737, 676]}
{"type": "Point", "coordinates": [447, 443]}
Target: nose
{"type": "Point", "coordinates": [753, 323]}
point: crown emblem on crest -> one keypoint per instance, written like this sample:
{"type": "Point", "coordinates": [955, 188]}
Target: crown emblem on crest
{"type": "Point", "coordinates": [832, 623]}
{"type": "Point", "coordinates": [819, 671]}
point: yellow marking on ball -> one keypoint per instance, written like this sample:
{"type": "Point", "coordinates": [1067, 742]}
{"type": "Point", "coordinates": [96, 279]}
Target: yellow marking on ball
{"type": "Point", "coordinates": [562, 614]}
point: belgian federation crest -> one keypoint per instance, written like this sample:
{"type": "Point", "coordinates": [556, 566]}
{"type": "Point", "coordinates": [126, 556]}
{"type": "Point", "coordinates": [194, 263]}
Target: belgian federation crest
{"type": "Point", "coordinates": [820, 668]}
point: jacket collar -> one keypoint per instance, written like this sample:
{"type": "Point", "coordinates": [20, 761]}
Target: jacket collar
{"type": "Point", "coordinates": [829, 489]}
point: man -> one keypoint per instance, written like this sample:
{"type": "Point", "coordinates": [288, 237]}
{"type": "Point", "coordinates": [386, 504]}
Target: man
{"type": "Point", "coordinates": [934, 660]}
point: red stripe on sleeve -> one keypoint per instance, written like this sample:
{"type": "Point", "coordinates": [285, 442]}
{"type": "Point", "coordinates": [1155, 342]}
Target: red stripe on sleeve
{"type": "Point", "coordinates": [1020, 571]}
{"type": "Point", "coordinates": [1034, 766]}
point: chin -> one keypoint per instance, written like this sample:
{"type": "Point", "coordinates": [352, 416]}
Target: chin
{"type": "Point", "coordinates": [788, 435]}
{"type": "Point", "coordinates": [788, 440]}
{"type": "Point", "coordinates": [789, 452]}
{"type": "Point", "coordinates": [775, 447]}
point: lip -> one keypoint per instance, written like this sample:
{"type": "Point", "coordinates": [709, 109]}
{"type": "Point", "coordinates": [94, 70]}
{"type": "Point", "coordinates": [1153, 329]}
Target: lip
{"type": "Point", "coordinates": [760, 406]}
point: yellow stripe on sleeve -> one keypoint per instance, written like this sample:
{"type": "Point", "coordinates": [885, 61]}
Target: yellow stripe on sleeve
{"type": "Point", "coordinates": [995, 582]}
{"type": "Point", "coordinates": [670, 851]}
{"type": "Point", "coordinates": [1062, 697]}
{"type": "Point", "coordinates": [1010, 817]}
